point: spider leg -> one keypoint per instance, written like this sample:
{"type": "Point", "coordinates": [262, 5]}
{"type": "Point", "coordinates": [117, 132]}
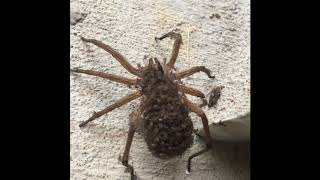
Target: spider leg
{"type": "Point", "coordinates": [111, 77]}
{"type": "Point", "coordinates": [122, 60]}
{"type": "Point", "coordinates": [194, 108]}
{"type": "Point", "coordinates": [193, 70]}
{"type": "Point", "coordinates": [176, 46]}
{"type": "Point", "coordinates": [194, 92]}
{"type": "Point", "coordinates": [134, 123]}
{"type": "Point", "coordinates": [117, 104]}
{"type": "Point", "coordinates": [195, 155]}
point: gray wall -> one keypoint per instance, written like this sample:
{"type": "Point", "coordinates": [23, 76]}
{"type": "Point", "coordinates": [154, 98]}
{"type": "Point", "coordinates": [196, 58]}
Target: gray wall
{"type": "Point", "coordinates": [221, 43]}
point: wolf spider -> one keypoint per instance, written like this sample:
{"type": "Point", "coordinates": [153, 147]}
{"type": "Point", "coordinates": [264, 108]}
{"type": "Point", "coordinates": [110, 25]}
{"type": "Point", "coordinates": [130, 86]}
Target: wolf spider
{"type": "Point", "coordinates": [160, 88]}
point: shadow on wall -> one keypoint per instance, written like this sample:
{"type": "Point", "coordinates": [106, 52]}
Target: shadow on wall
{"type": "Point", "coordinates": [235, 157]}
{"type": "Point", "coordinates": [232, 146]}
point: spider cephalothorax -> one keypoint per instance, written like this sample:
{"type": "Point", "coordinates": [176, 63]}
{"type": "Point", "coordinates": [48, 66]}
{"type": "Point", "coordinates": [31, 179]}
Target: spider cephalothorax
{"type": "Point", "coordinates": [163, 113]}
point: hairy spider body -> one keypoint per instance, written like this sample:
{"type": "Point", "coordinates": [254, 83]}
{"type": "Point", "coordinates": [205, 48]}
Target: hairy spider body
{"type": "Point", "coordinates": [163, 113]}
{"type": "Point", "coordinates": [166, 125]}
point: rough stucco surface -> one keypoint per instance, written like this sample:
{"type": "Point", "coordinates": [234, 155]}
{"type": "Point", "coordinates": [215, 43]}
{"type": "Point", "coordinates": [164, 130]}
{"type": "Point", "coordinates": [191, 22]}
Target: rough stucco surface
{"type": "Point", "coordinates": [221, 44]}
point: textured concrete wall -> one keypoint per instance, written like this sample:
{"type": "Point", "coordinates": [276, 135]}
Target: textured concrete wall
{"type": "Point", "coordinates": [215, 34]}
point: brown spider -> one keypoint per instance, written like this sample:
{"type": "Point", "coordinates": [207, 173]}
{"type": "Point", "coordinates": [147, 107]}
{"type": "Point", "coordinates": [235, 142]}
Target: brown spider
{"type": "Point", "coordinates": [164, 109]}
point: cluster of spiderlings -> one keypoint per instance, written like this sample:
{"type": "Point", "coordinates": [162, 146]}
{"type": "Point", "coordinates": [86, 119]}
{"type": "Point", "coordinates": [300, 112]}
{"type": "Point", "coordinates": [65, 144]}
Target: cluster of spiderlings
{"type": "Point", "coordinates": [165, 122]}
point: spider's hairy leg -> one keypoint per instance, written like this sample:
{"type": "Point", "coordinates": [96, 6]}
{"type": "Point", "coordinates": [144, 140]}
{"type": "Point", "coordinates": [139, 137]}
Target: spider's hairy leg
{"type": "Point", "coordinates": [111, 77]}
{"type": "Point", "coordinates": [122, 60]}
{"type": "Point", "coordinates": [134, 123]}
{"type": "Point", "coordinates": [195, 155]}
{"type": "Point", "coordinates": [194, 108]}
{"type": "Point", "coordinates": [193, 70]}
{"type": "Point", "coordinates": [194, 92]}
{"type": "Point", "coordinates": [176, 46]}
{"type": "Point", "coordinates": [117, 104]}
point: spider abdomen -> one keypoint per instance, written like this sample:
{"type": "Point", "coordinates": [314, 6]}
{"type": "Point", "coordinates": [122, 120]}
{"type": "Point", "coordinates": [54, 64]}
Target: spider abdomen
{"type": "Point", "coordinates": [167, 137]}
{"type": "Point", "coordinates": [166, 125]}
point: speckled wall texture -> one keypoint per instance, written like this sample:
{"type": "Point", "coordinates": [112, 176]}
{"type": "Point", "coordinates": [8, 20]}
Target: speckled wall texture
{"type": "Point", "coordinates": [216, 34]}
